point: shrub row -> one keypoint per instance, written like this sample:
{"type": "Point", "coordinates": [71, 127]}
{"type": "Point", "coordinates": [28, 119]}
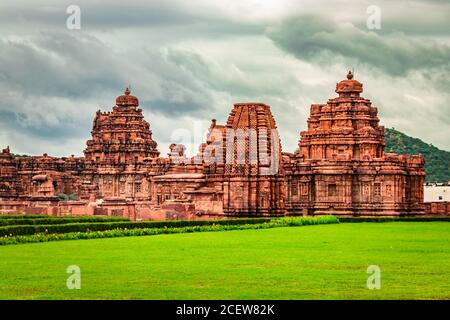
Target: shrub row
{"type": "Point", "coordinates": [393, 219]}
{"type": "Point", "coordinates": [215, 226]}
{"type": "Point", "coordinates": [24, 216]}
{"type": "Point", "coordinates": [102, 226]}
{"type": "Point", "coordinates": [59, 220]}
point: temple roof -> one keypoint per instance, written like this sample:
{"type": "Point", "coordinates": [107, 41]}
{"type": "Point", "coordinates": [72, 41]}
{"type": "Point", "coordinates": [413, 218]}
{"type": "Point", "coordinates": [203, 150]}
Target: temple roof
{"type": "Point", "coordinates": [253, 115]}
{"type": "Point", "coordinates": [127, 99]}
{"type": "Point", "coordinates": [122, 134]}
{"type": "Point", "coordinates": [349, 86]}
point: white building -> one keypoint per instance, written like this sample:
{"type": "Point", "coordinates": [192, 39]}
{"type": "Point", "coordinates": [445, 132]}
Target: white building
{"type": "Point", "coordinates": [437, 193]}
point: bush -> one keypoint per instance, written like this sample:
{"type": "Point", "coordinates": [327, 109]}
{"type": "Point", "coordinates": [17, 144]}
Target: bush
{"type": "Point", "coordinates": [214, 226]}
{"type": "Point", "coordinates": [24, 216]}
{"type": "Point", "coordinates": [58, 220]}
{"type": "Point", "coordinates": [73, 197]}
{"type": "Point", "coordinates": [63, 196]}
{"type": "Point", "coordinates": [101, 226]}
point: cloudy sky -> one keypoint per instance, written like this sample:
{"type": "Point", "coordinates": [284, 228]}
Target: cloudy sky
{"type": "Point", "coordinates": [189, 61]}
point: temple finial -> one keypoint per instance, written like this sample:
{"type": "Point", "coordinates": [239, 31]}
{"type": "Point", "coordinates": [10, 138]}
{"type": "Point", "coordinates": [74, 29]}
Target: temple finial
{"type": "Point", "coordinates": [349, 75]}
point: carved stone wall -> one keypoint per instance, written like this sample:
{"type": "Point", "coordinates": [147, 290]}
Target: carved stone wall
{"type": "Point", "coordinates": [340, 168]}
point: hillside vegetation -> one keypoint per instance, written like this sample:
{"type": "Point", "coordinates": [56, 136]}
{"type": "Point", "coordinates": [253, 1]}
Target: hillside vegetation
{"type": "Point", "coordinates": [437, 162]}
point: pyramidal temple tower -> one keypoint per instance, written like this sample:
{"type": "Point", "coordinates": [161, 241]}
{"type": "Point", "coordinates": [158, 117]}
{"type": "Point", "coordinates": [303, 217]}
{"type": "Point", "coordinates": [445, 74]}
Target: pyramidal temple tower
{"type": "Point", "coordinates": [341, 168]}
{"type": "Point", "coordinates": [121, 136]}
{"type": "Point", "coordinates": [249, 170]}
{"type": "Point", "coordinates": [345, 127]}
{"type": "Point", "coordinates": [117, 155]}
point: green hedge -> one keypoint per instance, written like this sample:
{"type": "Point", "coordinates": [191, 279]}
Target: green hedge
{"type": "Point", "coordinates": [217, 225]}
{"type": "Point", "coordinates": [393, 219]}
{"type": "Point", "coordinates": [102, 226]}
{"type": "Point", "coordinates": [58, 220]}
{"type": "Point", "coordinates": [25, 216]}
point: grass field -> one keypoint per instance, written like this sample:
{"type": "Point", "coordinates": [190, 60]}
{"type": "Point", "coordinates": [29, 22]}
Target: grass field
{"type": "Point", "coordinates": [310, 262]}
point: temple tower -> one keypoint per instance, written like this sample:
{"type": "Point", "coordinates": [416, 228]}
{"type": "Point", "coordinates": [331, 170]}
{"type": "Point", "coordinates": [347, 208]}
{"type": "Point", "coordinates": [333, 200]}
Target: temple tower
{"type": "Point", "coordinates": [121, 136]}
{"type": "Point", "coordinates": [117, 154]}
{"type": "Point", "coordinates": [247, 161]}
{"type": "Point", "coordinates": [345, 127]}
{"type": "Point", "coordinates": [341, 167]}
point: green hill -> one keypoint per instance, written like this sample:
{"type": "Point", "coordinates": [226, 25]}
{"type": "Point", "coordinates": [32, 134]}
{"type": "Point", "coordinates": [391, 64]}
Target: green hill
{"type": "Point", "coordinates": [437, 162]}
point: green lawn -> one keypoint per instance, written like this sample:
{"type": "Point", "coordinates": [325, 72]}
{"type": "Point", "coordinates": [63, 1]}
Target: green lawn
{"type": "Point", "coordinates": [309, 262]}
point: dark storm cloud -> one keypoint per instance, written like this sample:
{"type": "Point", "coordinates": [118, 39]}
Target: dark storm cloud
{"type": "Point", "coordinates": [52, 84]}
{"type": "Point", "coordinates": [58, 64]}
{"type": "Point", "coordinates": [81, 66]}
{"type": "Point", "coordinates": [16, 120]}
{"type": "Point", "coordinates": [318, 39]}
{"type": "Point", "coordinates": [191, 60]}
{"type": "Point", "coordinates": [111, 14]}
{"type": "Point", "coordinates": [177, 16]}
{"type": "Point", "coordinates": [173, 108]}
{"type": "Point", "coordinates": [154, 15]}
{"type": "Point", "coordinates": [239, 79]}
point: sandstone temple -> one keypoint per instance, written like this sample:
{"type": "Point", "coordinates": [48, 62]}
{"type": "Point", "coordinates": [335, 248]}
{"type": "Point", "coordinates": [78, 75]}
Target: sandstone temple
{"type": "Point", "coordinates": [339, 168]}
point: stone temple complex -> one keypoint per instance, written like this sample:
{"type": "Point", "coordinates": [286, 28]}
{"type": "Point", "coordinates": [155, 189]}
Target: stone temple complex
{"type": "Point", "coordinates": [339, 168]}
